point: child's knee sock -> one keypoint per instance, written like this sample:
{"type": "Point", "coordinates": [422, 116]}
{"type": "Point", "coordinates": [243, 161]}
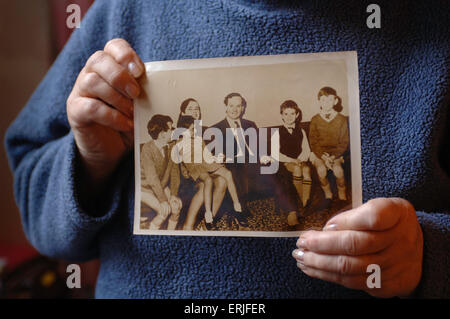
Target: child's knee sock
{"type": "Point", "coordinates": [172, 224]}
{"type": "Point", "coordinates": [342, 194]}
{"type": "Point", "coordinates": [156, 222]}
{"type": "Point", "coordinates": [174, 217]}
{"type": "Point", "coordinates": [306, 191]}
{"type": "Point", "coordinates": [298, 184]}
{"type": "Point", "coordinates": [327, 190]}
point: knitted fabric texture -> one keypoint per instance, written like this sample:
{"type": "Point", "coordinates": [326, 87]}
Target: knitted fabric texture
{"type": "Point", "coordinates": [404, 89]}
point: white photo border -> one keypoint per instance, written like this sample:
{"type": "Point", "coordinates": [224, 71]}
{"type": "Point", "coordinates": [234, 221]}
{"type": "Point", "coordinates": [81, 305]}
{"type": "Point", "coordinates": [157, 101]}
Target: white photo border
{"type": "Point", "coordinates": [351, 61]}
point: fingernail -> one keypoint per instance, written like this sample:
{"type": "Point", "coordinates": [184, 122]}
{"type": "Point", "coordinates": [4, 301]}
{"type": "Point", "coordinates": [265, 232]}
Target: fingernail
{"type": "Point", "coordinates": [298, 254]}
{"type": "Point", "coordinates": [134, 69]}
{"type": "Point", "coordinates": [301, 243]}
{"type": "Point", "coordinates": [132, 90]}
{"type": "Point", "coordinates": [330, 227]}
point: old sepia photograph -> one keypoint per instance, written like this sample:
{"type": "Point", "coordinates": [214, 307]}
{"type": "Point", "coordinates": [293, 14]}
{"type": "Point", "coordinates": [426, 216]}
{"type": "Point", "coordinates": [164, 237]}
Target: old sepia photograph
{"type": "Point", "coordinates": [247, 146]}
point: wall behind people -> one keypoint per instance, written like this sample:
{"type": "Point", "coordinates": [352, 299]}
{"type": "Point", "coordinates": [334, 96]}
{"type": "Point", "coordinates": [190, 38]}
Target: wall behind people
{"type": "Point", "coordinates": [25, 56]}
{"type": "Point", "coordinates": [264, 88]}
{"type": "Point", "coordinates": [31, 33]}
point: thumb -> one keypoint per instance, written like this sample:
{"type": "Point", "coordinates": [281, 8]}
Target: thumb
{"type": "Point", "coordinates": [378, 214]}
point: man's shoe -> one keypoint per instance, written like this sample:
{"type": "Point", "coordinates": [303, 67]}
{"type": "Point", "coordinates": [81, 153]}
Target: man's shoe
{"type": "Point", "coordinates": [242, 221]}
{"type": "Point", "coordinates": [240, 218]}
{"type": "Point", "coordinates": [296, 227]}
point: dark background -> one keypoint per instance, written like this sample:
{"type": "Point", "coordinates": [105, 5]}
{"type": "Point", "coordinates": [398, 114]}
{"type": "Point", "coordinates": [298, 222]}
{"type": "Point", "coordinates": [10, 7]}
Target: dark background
{"type": "Point", "coordinates": [32, 33]}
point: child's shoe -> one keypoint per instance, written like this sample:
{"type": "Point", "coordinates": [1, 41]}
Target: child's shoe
{"type": "Point", "coordinates": [208, 217]}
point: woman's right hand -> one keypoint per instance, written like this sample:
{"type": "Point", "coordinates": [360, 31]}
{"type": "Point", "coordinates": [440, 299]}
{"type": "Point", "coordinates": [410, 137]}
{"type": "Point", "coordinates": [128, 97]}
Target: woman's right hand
{"type": "Point", "coordinates": [100, 108]}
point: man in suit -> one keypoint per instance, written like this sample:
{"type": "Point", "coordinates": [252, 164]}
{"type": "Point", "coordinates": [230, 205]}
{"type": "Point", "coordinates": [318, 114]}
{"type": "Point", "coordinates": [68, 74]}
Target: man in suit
{"type": "Point", "coordinates": [240, 139]}
{"type": "Point", "coordinates": [160, 177]}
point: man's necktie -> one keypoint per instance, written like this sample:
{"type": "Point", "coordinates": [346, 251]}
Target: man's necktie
{"type": "Point", "coordinates": [241, 135]}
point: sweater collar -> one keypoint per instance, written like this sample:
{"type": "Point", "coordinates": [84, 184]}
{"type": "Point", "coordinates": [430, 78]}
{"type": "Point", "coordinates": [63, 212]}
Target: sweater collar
{"type": "Point", "coordinates": [328, 117]}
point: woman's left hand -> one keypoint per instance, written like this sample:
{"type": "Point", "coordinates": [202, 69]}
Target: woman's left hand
{"type": "Point", "coordinates": [383, 231]}
{"type": "Point", "coordinates": [175, 203]}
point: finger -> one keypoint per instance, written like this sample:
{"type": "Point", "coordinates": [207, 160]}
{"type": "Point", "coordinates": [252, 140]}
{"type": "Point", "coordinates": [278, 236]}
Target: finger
{"type": "Point", "coordinates": [341, 264]}
{"type": "Point", "coordinates": [389, 283]}
{"type": "Point", "coordinates": [113, 73]}
{"type": "Point", "coordinates": [345, 242]}
{"type": "Point", "coordinates": [128, 138]}
{"type": "Point", "coordinates": [377, 215]}
{"type": "Point", "coordinates": [163, 212]}
{"type": "Point", "coordinates": [179, 205]}
{"type": "Point", "coordinates": [85, 111]}
{"type": "Point", "coordinates": [167, 209]}
{"type": "Point", "coordinates": [93, 86]}
{"type": "Point", "coordinates": [124, 54]}
{"type": "Point", "coordinates": [352, 282]}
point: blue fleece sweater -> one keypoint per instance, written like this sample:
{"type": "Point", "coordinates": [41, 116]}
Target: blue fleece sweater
{"type": "Point", "coordinates": [404, 94]}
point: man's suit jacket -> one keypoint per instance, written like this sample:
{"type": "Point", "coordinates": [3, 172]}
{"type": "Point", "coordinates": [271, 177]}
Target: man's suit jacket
{"type": "Point", "coordinates": [223, 126]}
{"type": "Point", "coordinates": [242, 172]}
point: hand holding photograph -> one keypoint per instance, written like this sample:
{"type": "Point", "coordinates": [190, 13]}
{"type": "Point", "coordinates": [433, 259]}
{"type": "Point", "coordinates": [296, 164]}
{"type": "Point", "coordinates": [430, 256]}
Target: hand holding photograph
{"type": "Point", "coordinates": [247, 146]}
